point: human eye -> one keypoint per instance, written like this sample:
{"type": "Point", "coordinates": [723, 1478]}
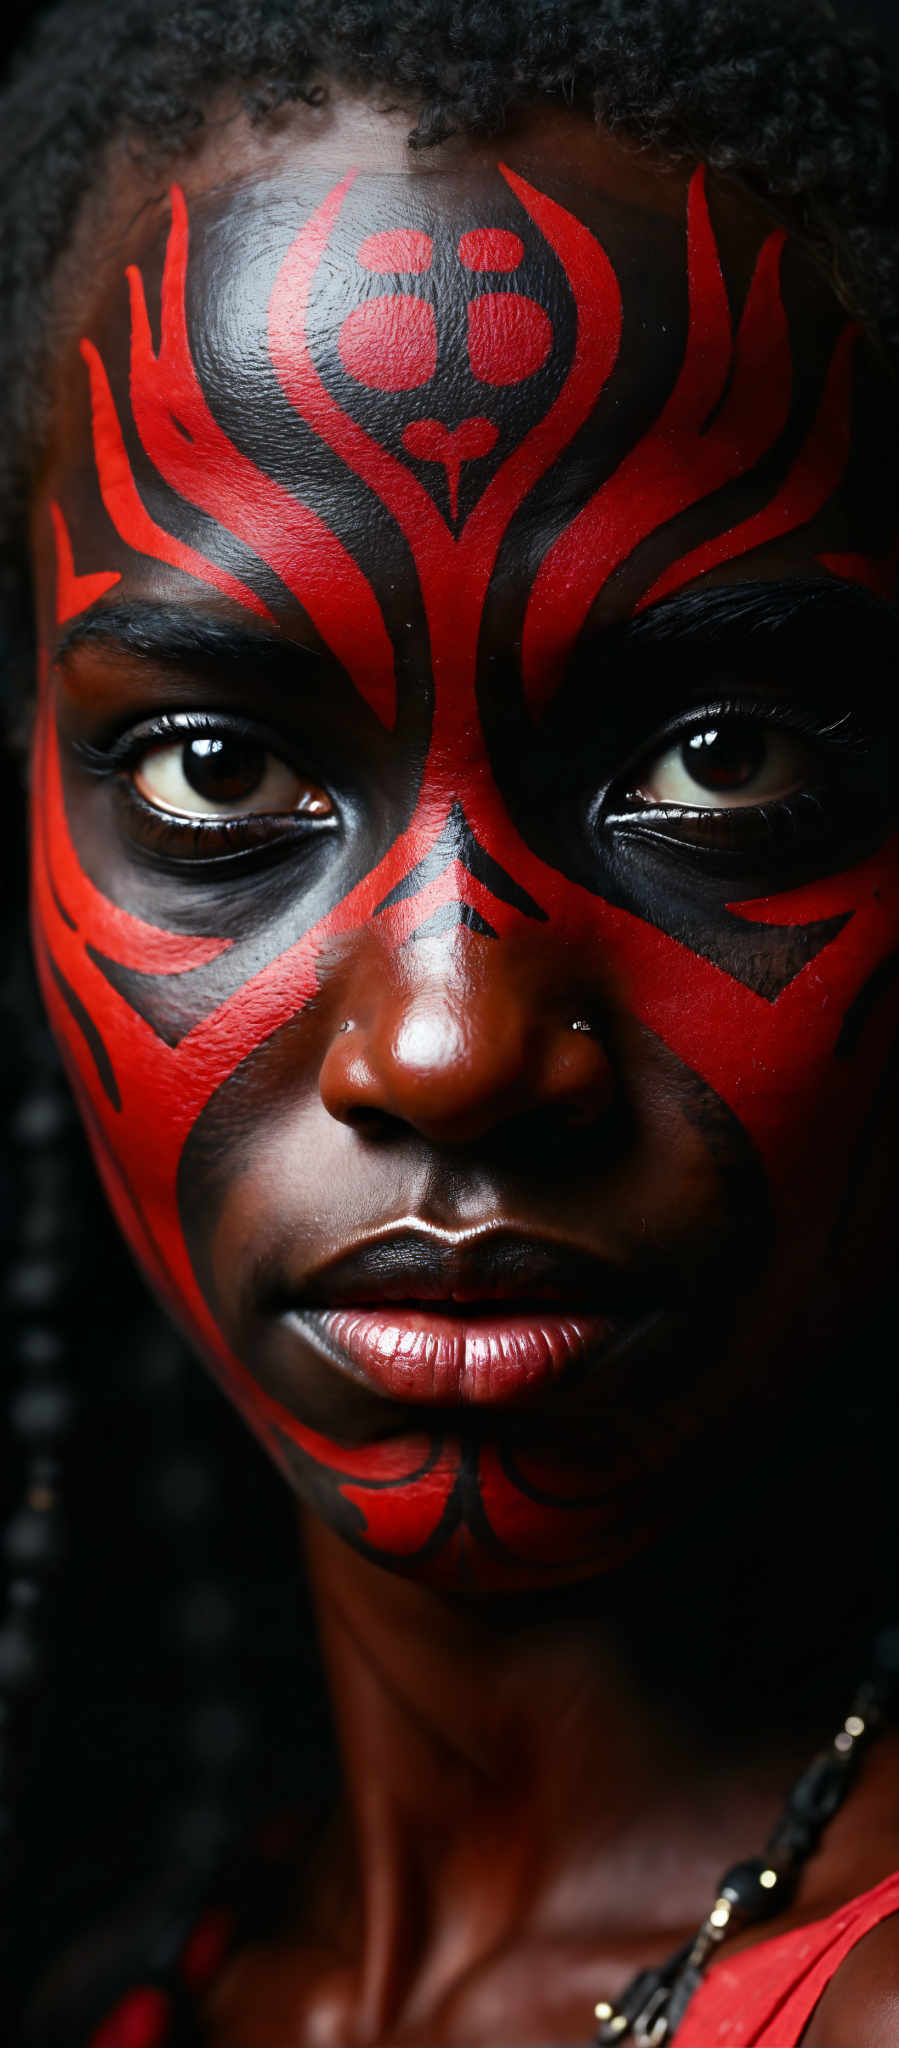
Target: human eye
{"type": "Point", "coordinates": [224, 775]}
{"type": "Point", "coordinates": [752, 777]}
{"type": "Point", "coordinates": [723, 763]}
{"type": "Point", "coordinates": [199, 785]}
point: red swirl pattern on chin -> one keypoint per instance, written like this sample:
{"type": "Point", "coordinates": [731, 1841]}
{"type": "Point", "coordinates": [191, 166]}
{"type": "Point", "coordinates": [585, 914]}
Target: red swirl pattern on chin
{"type": "Point", "coordinates": [448, 1509]}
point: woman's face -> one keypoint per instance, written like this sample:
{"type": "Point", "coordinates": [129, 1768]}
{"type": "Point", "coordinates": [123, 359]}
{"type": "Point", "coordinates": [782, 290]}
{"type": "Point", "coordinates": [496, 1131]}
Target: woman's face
{"type": "Point", "coordinates": [464, 883]}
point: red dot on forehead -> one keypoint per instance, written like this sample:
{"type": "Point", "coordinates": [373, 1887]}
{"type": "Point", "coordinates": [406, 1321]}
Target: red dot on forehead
{"type": "Point", "coordinates": [509, 337]}
{"type": "Point", "coordinates": [390, 343]}
{"type": "Point", "coordinates": [402, 249]}
{"type": "Point", "coordinates": [491, 249]}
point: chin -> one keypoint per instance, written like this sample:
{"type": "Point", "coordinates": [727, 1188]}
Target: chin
{"type": "Point", "coordinates": [470, 1517]}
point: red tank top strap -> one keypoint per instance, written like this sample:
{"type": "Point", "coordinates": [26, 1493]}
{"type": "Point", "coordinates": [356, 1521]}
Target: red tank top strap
{"type": "Point", "coordinates": [765, 1997]}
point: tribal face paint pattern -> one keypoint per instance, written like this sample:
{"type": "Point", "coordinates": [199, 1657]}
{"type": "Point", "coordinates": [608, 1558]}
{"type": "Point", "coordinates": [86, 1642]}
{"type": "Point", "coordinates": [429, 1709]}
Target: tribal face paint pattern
{"type": "Point", "coordinates": [746, 1002]}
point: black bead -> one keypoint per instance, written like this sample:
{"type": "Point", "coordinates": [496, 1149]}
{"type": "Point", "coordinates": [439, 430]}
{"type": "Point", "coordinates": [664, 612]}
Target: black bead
{"type": "Point", "coordinates": [871, 1702]}
{"type": "Point", "coordinates": [791, 1840]}
{"type": "Point", "coordinates": [820, 1791]}
{"type": "Point", "coordinates": [742, 1886]}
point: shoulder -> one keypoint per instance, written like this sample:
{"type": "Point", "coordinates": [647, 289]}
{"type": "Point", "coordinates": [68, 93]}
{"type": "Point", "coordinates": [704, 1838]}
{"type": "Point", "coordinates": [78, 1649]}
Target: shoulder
{"type": "Point", "coordinates": [860, 2008]}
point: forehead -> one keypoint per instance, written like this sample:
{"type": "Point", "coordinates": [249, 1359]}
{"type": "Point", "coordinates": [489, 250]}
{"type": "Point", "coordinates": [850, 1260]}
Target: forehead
{"type": "Point", "coordinates": [414, 228]}
{"type": "Point", "coordinates": [445, 309]}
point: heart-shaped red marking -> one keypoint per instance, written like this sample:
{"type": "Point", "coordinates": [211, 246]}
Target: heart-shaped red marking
{"type": "Point", "coordinates": [431, 441]}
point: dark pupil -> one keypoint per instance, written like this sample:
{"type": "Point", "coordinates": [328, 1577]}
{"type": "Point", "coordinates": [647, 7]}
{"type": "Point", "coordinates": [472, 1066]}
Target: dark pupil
{"type": "Point", "coordinates": [224, 771]}
{"type": "Point", "coordinates": [726, 756]}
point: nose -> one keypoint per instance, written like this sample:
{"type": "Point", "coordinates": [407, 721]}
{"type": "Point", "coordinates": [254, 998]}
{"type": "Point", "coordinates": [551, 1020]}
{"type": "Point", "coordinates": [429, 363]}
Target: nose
{"type": "Point", "coordinates": [452, 1054]}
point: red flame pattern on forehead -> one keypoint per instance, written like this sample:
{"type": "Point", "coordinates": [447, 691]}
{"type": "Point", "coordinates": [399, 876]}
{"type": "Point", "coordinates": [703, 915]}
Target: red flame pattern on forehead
{"type": "Point", "coordinates": [142, 1096]}
{"type": "Point", "coordinates": [728, 409]}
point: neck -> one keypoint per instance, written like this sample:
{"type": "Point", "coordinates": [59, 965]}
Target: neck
{"type": "Point", "coordinates": [506, 1765]}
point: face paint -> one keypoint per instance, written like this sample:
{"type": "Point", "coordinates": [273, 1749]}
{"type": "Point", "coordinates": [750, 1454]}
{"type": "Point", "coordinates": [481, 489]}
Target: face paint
{"type": "Point", "coordinates": [767, 1015]}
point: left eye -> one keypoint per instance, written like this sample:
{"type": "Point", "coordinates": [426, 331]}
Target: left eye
{"type": "Point", "coordinates": [727, 763]}
{"type": "Point", "coordinates": [225, 776]}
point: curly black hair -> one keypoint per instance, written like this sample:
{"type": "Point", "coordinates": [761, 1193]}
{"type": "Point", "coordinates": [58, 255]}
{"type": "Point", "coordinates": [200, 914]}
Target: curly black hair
{"type": "Point", "coordinates": [773, 92]}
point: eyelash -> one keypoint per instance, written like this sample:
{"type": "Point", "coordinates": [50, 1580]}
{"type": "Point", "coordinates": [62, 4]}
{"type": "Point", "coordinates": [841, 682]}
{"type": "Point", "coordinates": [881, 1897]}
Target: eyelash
{"type": "Point", "coordinates": [804, 816]}
{"type": "Point", "coordinates": [191, 840]}
{"type": "Point", "coordinates": [843, 742]}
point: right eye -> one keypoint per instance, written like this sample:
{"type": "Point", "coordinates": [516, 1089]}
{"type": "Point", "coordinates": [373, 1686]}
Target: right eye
{"type": "Point", "coordinates": [225, 775]}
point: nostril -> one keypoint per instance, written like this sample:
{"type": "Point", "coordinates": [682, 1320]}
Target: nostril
{"type": "Point", "coordinates": [370, 1122]}
{"type": "Point", "coordinates": [455, 1063]}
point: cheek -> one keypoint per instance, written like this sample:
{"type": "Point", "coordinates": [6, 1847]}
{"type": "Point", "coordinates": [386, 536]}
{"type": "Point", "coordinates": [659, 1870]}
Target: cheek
{"type": "Point", "coordinates": [797, 1077]}
{"type": "Point", "coordinates": [799, 1070]}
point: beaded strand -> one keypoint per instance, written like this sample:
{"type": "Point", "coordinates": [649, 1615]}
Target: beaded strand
{"type": "Point", "coordinates": [650, 2010]}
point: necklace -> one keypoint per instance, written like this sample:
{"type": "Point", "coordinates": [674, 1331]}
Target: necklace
{"type": "Point", "coordinates": [651, 2008]}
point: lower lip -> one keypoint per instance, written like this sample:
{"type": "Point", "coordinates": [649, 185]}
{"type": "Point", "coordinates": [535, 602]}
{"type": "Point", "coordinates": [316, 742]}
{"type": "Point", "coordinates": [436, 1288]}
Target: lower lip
{"type": "Point", "coordinates": [415, 1355]}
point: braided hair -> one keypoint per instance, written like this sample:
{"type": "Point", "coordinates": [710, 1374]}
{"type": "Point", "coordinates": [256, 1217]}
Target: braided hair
{"type": "Point", "coordinates": [776, 95]}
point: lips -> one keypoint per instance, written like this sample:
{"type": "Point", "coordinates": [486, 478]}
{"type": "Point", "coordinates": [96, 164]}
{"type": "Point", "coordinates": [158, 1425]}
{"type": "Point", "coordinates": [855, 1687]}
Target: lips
{"type": "Point", "coordinates": [489, 1318]}
{"type": "Point", "coordinates": [419, 1354]}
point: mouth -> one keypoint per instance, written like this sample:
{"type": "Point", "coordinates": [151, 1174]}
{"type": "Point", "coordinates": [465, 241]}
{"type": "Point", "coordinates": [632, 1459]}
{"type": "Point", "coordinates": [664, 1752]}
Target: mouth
{"type": "Point", "coordinates": [419, 1353]}
{"type": "Point", "coordinates": [486, 1318]}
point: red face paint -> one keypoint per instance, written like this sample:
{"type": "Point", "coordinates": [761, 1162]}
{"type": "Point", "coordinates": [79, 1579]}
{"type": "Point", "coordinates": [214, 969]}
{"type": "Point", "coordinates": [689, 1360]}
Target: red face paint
{"type": "Point", "coordinates": [750, 1006]}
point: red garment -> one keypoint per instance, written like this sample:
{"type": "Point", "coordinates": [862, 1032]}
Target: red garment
{"type": "Point", "coordinates": [765, 1996]}
{"type": "Point", "coordinates": [761, 1998]}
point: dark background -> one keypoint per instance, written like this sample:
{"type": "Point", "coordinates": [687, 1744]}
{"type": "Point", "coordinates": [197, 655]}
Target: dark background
{"type": "Point", "coordinates": [140, 1728]}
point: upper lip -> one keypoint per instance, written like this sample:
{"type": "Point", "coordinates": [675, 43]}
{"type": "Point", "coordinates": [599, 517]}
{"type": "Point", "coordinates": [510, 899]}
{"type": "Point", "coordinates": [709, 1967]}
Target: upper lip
{"type": "Point", "coordinates": [417, 1263]}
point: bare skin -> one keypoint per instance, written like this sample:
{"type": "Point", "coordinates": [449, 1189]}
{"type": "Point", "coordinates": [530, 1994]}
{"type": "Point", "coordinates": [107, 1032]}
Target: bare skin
{"type": "Point", "coordinates": [530, 1055]}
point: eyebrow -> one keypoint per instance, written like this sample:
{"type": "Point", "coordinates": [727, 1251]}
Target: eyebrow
{"type": "Point", "coordinates": [833, 637]}
{"type": "Point", "coordinates": [821, 612]}
{"type": "Point", "coordinates": [811, 603]}
{"type": "Point", "coordinates": [180, 636]}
